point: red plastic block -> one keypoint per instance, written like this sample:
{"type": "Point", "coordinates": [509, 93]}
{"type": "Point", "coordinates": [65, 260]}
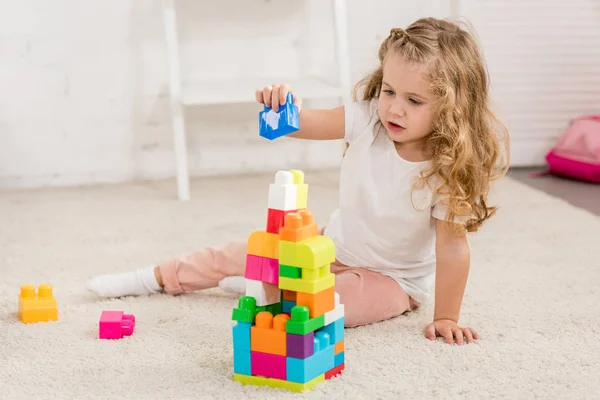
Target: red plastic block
{"type": "Point", "coordinates": [275, 219]}
{"type": "Point", "coordinates": [334, 372]}
{"type": "Point", "coordinates": [115, 325]}
{"type": "Point", "coordinates": [269, 365]}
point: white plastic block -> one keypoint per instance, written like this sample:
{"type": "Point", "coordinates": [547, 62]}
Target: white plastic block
{"type": "Point", "coordinates": [336, 313]}
{"type": "Point", "coordinates": [265, 293]}
{"type": "Point", "coordinates": [283, 193]}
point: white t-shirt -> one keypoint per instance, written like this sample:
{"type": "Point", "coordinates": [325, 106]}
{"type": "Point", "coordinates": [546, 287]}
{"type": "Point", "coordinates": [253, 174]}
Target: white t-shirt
{"type": "Point", "coordinates": [376, 225]}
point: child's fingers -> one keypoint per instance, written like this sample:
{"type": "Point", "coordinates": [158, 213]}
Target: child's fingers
{"type": "Point", "coordinates": [266, 93]}
{"type": "Point", "coordinates": [275, 97]}
{"type": "Point", "coordinates": [468, 335]}
{"type": "Point", "coordinates": [458, 335]}
{"type": "Point", "coordinates": [430, 332]}
{"type": "Point", "coordinates": [447, 334]}
{"type": "Point", "coordinates": [258, 95]}
{"type": "Point", "coordinates": [475, 334]}
{"type": "Point", "coordinates": [283, 92]}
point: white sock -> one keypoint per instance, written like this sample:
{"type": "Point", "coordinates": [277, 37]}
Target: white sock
{"type": "Point", "coordinates": [132, 283]}
{"type": "Point", "coordinates": [233, 284]}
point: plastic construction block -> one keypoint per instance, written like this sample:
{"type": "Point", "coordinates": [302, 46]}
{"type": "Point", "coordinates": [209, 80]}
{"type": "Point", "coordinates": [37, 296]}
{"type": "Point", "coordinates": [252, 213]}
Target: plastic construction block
{"type": "Point", "coordinates": [262, 269]}
{"type": "Point", "coordinates": [268, 365]}
{"type": "Point", "coordinates": [245, 311]}
{"type": "Point", "coordinates": [300, 346]}
{"type": "Point", "coordinates": [288, 295]}
{"type": "Point", "coordinates": [302, 285]}
{"type": "Point", "coordinates": [283, 192]}
{"type": "Point", "coordinates": [286, 120]}
{"type": "Point", "coordinates": [290, 272]}
{"type": "Point", "coordinates": [304, 370]}
{"type": "Point", "coordinates": [276, 218]}
{"type": "Point", "coordinates": [115, 325]}
{"type": "Point", "coordinates": [241, 336]}
{"type": "Point", "coordinates": [302, 189]}
{"type": "Point", "coordinates": [311, 253]}
{"type": "Point", "coordinates": [301, 324]}
{"type": "Point", "coordinates": [37, 307]}
{"type": "Point", "coordinates": [269, 335]}
{"type": "Point", "coordinates": [318, 303]}
{"type": "Point", "coordinates": [242, 362]}
{"type": "Point", "coordinates": [265, 293]}
{"type": "Point", "coordinates": [339, 347]}
{"type": "Point", "coordinates": [274, 309]}
{"type": "Point", "coordinates": [335, 330]}
{"type": "Point", "coordinates": [338, 359]}
{"type": "Point", "coordinates": [336, 313]}
{"type": "Point", "coordinates": [287, 306]}
{"type": "Point", "coordinates": [298, 226]}
{"type": "Point", "coordinates": [278, 383]}
{"type": "Point", "coordinates": [263, 244]}
{"type": "Point", "coordinates": [334, 372]}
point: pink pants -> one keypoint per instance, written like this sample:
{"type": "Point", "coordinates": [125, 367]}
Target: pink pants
{"type": "Point", "coordinates": [367, 296]}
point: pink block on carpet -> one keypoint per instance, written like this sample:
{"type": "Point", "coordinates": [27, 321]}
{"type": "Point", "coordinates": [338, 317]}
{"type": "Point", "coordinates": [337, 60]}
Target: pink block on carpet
{"type": "Point", "coordinates": [115, 325]}
{"type": "Point", "coordinates": [268, 365]}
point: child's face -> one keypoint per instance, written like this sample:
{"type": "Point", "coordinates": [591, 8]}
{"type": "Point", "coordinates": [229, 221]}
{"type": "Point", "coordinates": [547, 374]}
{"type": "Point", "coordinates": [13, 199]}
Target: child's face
{"type": "Point", "coordinates": [405, 104]}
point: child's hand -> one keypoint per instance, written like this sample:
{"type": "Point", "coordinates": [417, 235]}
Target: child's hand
{"type": "Point", "coordinates": [450, 331]}
{"type": "Point", "coordinates": [275, 95]}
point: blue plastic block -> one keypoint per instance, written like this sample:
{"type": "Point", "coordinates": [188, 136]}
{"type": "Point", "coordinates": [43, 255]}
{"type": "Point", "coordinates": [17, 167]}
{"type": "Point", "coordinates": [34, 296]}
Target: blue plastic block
{"type": "Point", "coordinates": [286, 120]}
{"type": "Point", "coordinates": [339, 359]}
{"type": "Point", "coordinates": [288, 305]}
{"type": "Point", "coordinates": [242, 362]}
{"type": "Point", "coordinates": [305, 370]}
{"type": "Point", "coordinates": [335, 330]}
{"type": "Point", "coordinates": [241, 336]}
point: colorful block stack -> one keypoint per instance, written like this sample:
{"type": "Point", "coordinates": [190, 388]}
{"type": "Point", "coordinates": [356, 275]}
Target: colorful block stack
{"type": "Point", "coordinates": [290, 324]}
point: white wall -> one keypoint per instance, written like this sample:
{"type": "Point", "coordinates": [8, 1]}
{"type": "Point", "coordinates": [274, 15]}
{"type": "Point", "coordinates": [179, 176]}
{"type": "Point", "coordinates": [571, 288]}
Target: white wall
{"type": "Point", "coordinates": [84, 95]}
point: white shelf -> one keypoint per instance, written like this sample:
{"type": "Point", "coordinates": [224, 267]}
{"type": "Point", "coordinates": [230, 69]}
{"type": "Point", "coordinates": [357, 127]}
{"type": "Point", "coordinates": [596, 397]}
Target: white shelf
{"type": "Point", "coordinates": [241, 90]}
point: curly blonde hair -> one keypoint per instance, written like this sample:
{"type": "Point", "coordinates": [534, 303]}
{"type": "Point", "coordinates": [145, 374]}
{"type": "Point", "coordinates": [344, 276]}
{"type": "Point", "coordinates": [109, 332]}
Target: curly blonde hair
{"type": "Point", "coordinates": [469, 144]}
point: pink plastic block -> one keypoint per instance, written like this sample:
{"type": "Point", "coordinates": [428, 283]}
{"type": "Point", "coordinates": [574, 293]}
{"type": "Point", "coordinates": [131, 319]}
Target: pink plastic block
{"type": "Point", "coordinates": [263, 269]}
{"type": "Point", "coordinates": [269, 365]}
{"type": "Point", "coordinates": [270, 271]}
{"type": "Point", "coordinates": [253, 267]}
{"type": "Point", "coordinates": [116, 324]}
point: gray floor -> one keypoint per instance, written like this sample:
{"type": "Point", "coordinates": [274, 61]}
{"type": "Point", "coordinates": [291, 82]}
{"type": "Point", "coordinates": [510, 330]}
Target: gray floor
{"type": "Point", "coordinates": [580, 194]}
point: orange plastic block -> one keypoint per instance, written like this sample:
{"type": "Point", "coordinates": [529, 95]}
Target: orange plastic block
{"type": "Point", "coordinates": [289, 295]}
{"type": "Point", "coordinates": [263, 244]}
{"type": "Point", "coordinates": [338, 348]}
{"type": "Point", "coordinates": [40, 307]}
{"type": "Point", "coordinates": [269, 335]}
{"type": "Point", "coordinates": [318, 303]}
{"type": "Point", "coordinates": [298, 226]}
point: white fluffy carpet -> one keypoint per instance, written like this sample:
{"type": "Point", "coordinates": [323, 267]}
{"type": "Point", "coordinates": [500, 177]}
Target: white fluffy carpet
{"type": "Point", "coordinates": [532, 294]}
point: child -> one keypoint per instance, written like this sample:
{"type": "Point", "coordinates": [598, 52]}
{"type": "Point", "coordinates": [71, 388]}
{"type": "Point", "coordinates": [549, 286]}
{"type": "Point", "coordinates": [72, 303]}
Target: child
{"type": "Point", "coordinates": [422, 148]}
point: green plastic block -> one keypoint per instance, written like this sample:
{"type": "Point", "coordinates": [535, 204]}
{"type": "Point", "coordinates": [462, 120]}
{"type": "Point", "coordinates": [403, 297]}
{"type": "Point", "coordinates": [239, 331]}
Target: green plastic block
{"type": "Point", "coordinates": [301, 324]}
{"type": "Point", "coordinates": [290, 272]}
{"type": "Point", "coordinates": [246, 310]}
{"type": "Point", "coordinates": [275, 309]}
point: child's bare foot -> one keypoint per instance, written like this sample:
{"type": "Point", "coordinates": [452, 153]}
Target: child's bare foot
{"type": "Point", "coordinates": [144, 280]}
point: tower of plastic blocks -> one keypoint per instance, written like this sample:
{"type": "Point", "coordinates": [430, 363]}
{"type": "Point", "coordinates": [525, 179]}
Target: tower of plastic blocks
{"type": "Point", "coordinates": [290, 324]}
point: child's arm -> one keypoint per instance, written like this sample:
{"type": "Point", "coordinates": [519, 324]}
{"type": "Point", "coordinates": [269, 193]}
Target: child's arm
{"type": "Point", "coordinates": [314, 124]}
{"type": "Point", "coordinates": [452, 270]}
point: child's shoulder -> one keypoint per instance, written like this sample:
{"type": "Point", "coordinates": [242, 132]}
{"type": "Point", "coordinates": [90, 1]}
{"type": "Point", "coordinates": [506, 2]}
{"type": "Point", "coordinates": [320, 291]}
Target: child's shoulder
{"type": "Point", "coordinates": [358, 116]}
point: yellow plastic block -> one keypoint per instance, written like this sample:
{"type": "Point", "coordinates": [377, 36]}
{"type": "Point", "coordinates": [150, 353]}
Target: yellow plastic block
{"type": "Point", "coordinates": [40, 307]}
{"type": "Point", "coordinates": [302, 189]}
{"type": "Point", "coordinates": [300, 285]}
{"type": "Point", "coordinates": [310, 274]}
{"type": "Point", "coordinates": [278, 383]}
{"type": "Point", "coordinates": [311, 253]}
{"type": "Point", "coordinates": [324, 271]}
{"type": "Point", "coordinates": [263, 244]}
